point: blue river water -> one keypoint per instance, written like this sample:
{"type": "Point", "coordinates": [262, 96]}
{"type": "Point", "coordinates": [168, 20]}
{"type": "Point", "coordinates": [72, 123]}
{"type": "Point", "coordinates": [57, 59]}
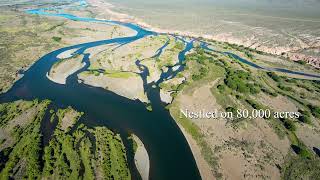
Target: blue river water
{"type": "Point", "coordinates": [170, 155]}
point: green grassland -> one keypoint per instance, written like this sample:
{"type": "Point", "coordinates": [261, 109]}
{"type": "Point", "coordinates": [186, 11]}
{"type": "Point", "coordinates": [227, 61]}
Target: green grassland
{"type": "Point", "coordinates": [118, 74]}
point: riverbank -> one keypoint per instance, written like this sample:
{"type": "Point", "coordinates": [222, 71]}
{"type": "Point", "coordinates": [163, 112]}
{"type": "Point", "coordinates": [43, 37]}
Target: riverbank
{"type": "Point", "coordinates": [62, 69]}
{"type": "Point", "coordinates": [141, 158]}
{"type": "Point", "coordinates": [203, 166]}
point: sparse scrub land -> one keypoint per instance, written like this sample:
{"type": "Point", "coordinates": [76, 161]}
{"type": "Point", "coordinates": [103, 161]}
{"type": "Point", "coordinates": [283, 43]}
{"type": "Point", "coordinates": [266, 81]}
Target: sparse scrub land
{"type": "Point", "coordinates": [286, 86]}
{"type": "Point", "coordinates": [24, 38]}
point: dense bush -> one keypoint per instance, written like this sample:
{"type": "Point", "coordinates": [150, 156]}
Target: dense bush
{"type": "Point", "coordinates": [267, 91]}
{"type": "Point", "coordinates": [221, 87]}
{"type": "Point", "coordinates": [301, 62]}
{"type": "Point", "coordinates": [198, 56]}
{"type": "Point", "coordinates": [285, 88]}
{"type": "Point", "coordinates": [249, 55]}
{"type": "Point", "coordinates": [304, 117]}
{"type": "Point", "coordinates": [62, 155]}
{"type": "Point", "coordinates": [254, 89]}
{"type": "Point", "coordinates": [274, 76]}
{"type": "Point", "coordinates": [288, 124]}
{"type": "Point", "coordinates": [254, 104]}
{"type": "Point", "coordinates": [302, 151]}
{"type": "Point", "coordinates": [315, 110]}
{"type": "Point", "coordinates": [57, 39]}
{"type": "Point", "coordinates": [203, 72]}
{"type": "Point", "coordinates": [231, 109]}
{"type": "Point", "coordinates": [239, 80]}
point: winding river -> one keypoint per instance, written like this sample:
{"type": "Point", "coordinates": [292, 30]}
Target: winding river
{"type": "Point", "coordinates": [170, 155]}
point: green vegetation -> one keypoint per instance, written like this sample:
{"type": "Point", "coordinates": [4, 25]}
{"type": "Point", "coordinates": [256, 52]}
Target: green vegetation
{"type": "Point", "coordinates": [203, 72]}
{"type": "Point", "coordinates": [133, 143]}
{"type": "Point", "coordinates": [179, 46]}
{"type": "Point", "coordinates": [57, 39]}
{"type": "Point", "coordinates": [86, 156]}
{"type": "Point", "coordinates": [315, 110]}
{"type": "Point", "coordinates": [298, 167]}
{"type": "Point", "coordinates": [289, 124]}
{"type": "Point", "coordinates": [27, 148]}
{"type": "Point", "coordinates": [248, 54]}
{"type": "Point", "coordinates": [274, 76]}
{"type": "Point", "coordinates": [66, 155]}
{"type": "Point", "coordinates": [301, 62]}
{"type": "Point", "coordinates": [203, 67]}
{"type": "Point", "coordinates": [169, 57]}
{"type": "Point", "coordinates": [305, 117]}
{"type": "Point", "coordinates": [241, 81]}
{"type": "Point", "coordinates": [149, 107]}
{"type": "Point", "coordinates": [254, 104]}
{"type": "Point", "coordinates": [113, 159]}
{"type": "Point", "coordinates": [111, 73]}
{"type": "Point", "coordinates": [285, 88]}
{"type": "Point", "coordinates": [115, 74]}
{"type": "Point", "coordinates": [9, 111]}
{"type": "Point", "coordinates": [222, 94]}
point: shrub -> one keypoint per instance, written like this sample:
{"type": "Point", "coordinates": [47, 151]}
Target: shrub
{"type": "Point", "coordinates": [285, 88]}
{"type": "Point", "coordinates": [301, 62]}
{"type": "Point", "coordinates": [274, 76]}
{"type": "Point", "coordinates": [239, 97]}
{"type": "Point", "coordinates": [254, 89]}
{"type": "Point", "coordinates": [221, 87]}
{"type": "Point", "coordinates": [267, 91]}
{"type": "Point", "coordinates": [238, 80]}
{"type": "Point", "coordinates": [231, 109]}
{"type": "Point", "coordinates": [57, 39]}
{"type": "Point", "coordinates": [242, 88]}
{"type": "Point", "coordinates": [302, 151]}
{"type": "Point", "coordinates": [253, 104]}
{"type": "Point", "coordinates": [249, 55]}
{"type": "Point", "coordinates": [314, 110]}
{"type": "Point", "coordinates": [304, 116]}
{"type": "Point", "coordinates": [288, 124]}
